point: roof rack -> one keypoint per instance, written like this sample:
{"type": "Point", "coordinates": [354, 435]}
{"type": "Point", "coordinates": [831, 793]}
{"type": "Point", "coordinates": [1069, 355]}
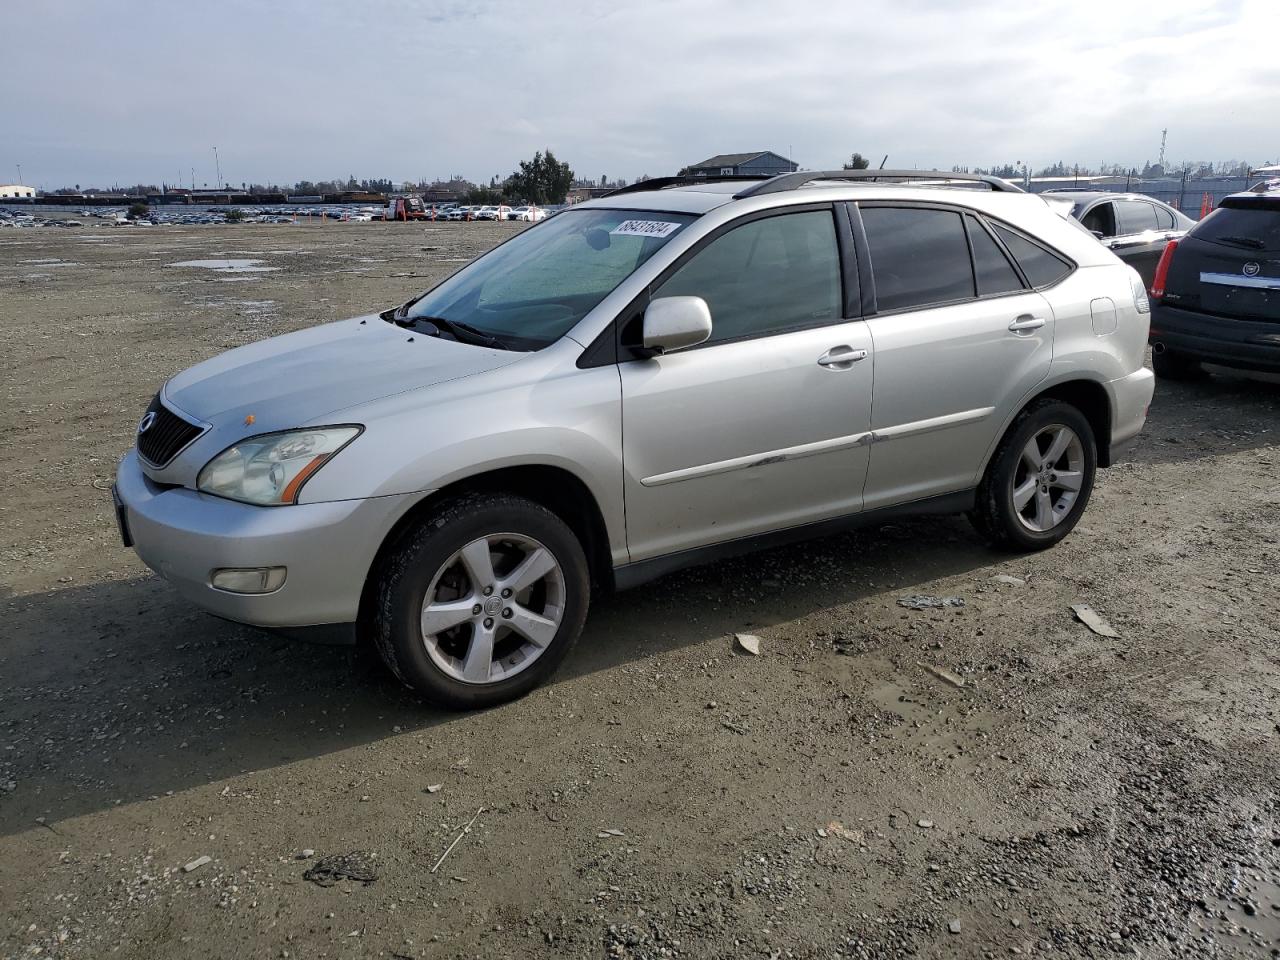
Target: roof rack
{"type": "Point", "coordinates": [792, 181]}
{"type": "Point", "coordinates": [661, 183]}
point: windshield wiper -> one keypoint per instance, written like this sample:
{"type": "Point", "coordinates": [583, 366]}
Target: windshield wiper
{"type": "Point", "coordinates": [462, 332]}
{"type": "Point", "coordinates": [1252, 242]}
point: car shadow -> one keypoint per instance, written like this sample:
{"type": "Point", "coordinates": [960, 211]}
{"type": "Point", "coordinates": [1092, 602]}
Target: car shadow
{"type": "Point", "coordinates": [120, 691]}
{"type": "Point", "coordinates": [1228, 412]}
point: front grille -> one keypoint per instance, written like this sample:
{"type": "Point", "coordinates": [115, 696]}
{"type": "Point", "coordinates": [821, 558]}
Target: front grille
{"type": "Point", "coordinates": [167, 435]}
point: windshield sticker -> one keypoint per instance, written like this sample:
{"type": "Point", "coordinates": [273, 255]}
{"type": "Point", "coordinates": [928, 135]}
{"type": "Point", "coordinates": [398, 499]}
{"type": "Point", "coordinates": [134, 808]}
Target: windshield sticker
{"type": "Point", "coordinates": [645, 228]}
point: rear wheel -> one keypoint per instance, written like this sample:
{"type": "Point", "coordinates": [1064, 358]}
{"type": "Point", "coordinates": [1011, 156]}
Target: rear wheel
{"type": "Point", "coordinates": [1038, 483]}
{"type": "Point", "coordinates": [481, 602]}
{"type": "Point", "coordinates": [1176, 366]}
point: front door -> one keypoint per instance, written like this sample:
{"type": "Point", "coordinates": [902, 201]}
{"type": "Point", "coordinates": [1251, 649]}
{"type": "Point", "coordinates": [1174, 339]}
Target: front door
{"type": "Point", "coordinates": [764, 426]}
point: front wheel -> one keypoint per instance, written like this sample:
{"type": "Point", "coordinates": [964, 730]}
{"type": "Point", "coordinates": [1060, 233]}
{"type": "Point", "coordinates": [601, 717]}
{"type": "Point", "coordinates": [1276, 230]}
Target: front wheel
{"type": "Point", "coordinates": [1038, 483]}
{"type": "Point", "coordinates": [480, 602]}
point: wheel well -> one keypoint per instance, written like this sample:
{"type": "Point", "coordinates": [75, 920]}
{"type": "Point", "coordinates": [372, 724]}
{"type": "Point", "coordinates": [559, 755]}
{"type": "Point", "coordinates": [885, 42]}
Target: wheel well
{"type": "Point", "coordinates": [1090, 398]}
{"type": "Point", "coordinates": [553, 487]}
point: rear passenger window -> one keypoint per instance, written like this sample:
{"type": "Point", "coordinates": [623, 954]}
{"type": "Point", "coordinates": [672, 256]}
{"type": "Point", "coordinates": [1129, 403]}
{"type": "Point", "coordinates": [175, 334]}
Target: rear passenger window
{"type": "Point", "coordinates": [1040, 266]}
{"type": "Point", "coordinates": [1135, 216]}
{"type": "Point", "coordinates": [994, 272]}
{"type": "Point", "coordinates": [919, 257]}
{"type": "Point", "coordinates": [768, 276]}
{"type": "Point", "coordinates": [1164, 219]}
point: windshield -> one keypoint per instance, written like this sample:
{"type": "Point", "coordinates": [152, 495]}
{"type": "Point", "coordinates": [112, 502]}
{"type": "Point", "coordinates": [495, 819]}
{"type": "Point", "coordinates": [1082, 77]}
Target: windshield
{"type": "Point", "coordinates": [1254, 229]}
{"type": "Point", "coordinates": [533, 289]}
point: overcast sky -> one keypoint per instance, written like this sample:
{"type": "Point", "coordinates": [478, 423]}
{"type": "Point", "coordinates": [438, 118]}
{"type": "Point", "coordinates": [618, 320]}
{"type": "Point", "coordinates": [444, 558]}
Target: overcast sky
{"type": "Point", "coordinates": [134, 90]}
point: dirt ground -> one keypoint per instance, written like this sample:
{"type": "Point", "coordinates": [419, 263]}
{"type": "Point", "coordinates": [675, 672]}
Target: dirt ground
{"type": "Point", "coordinates": [1078, 796]}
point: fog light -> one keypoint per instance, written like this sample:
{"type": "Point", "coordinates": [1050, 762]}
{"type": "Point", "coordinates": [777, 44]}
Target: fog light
{"type": "Point", "coordinates": [248, 579]}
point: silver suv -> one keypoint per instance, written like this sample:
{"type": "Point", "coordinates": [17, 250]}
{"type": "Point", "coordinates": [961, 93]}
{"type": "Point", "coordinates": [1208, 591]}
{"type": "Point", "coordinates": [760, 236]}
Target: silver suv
{"type": "Point", "coordinates": [662, 377]}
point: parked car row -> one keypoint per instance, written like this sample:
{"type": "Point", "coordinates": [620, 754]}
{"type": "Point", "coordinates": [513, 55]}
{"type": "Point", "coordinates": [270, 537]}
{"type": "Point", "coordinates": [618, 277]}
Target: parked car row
{"type": "Point", "coordinates": [1214, 284]}
{"type": "Point", "coordinates": [456, 212]}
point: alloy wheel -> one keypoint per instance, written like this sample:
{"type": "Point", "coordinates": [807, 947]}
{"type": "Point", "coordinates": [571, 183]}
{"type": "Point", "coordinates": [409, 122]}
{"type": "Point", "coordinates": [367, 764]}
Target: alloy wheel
{"type": "Point", "coordinates": [493, 608]}
{"type": "Point", "coordinates": [1048, 477]}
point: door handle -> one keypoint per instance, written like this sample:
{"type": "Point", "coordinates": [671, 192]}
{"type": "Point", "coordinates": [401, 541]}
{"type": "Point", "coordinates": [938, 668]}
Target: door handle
{"type": "Point", "coordinates": [1026, 323]}
{"type": "Point", "coordinates": [841, 358]}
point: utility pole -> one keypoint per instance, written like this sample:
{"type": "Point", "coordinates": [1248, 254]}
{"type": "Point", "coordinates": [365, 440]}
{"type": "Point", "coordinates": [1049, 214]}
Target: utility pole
{"type": "Point", "coordinates": [1164, 135]}
{"type": "Point", "coordinates": [19, 173]}
{"type": "Point", "coordinates": [217, 166]}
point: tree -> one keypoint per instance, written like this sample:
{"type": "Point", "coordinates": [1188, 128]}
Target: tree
{"type": "Point", "coordinates": [544, 179]}
{"type": "Point", "coordinates": [857, 162]}
{"type": "Point", "coordinates": [234, 216]}
{"type": "Point", "coordinates": [137, 210]}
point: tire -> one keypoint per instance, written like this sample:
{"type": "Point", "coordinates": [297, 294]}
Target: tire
{"type": "Point", "coordinates": [997, 513]}
{"type": "Point", "coordinates": [527, 633]}
{"type": "Point", "coordinates": [1176, 366]}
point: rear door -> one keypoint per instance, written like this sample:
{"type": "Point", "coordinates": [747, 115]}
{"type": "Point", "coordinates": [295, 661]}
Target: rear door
{"type": "Point", "coordinates": [1139, 239]}
{"type": "Point", "coordinates": [764, 426]}
{"type": "Point", "coordinates": [960, 336]}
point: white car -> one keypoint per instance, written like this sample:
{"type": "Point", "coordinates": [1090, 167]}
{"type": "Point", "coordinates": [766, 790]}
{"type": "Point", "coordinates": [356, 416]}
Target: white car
{"type": "Point", "coordinates": [528, 214]}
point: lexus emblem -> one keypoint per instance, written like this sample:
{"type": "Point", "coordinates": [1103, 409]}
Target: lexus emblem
{"type": "Point", "coordinates": [1251, 269]}
{"type": "Point", "coordinates": [146, 422]}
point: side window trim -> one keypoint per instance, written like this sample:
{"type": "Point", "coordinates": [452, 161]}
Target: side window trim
{"type": "Point", "coordinates": [626, 349]}
{"type": "Point", "coordinates": [866, 281]}
{"type": "Point", "coordinates": [1013, 261]}
{"type": "Point", "coordinates": [846, 246]}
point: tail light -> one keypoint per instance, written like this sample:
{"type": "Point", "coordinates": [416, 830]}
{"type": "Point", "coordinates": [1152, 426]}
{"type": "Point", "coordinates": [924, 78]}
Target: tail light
{"type": "Point", "coordinates": [1162, 270]}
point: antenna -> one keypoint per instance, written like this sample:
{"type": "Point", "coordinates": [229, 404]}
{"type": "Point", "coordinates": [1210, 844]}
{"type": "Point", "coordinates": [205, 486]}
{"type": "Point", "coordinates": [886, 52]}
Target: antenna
{"type": "Point", "coordinates": [1164, 135]}
{"type": "Point", "coordinates": [217, 166]}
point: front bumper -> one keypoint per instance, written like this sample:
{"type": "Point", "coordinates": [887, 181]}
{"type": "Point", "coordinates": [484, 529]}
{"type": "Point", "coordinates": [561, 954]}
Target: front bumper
{"type": "Point", "coordinates": [1244, 344]}
{"type": "Point", "coordinates": [327, 548]}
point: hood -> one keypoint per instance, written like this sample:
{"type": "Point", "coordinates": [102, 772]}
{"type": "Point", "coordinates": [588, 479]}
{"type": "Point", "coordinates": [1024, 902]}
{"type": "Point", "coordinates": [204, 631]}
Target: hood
{"type": "Point", "coordinates": [304, 377]}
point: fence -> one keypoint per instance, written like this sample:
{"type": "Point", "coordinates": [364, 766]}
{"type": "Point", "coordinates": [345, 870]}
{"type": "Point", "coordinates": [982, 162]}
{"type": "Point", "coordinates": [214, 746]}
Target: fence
{"type": "Point", "coordinates": [1187, 194]}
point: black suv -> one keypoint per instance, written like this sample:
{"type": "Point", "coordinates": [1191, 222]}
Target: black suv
{"type": "Point", "coordinates": [1216, 293]}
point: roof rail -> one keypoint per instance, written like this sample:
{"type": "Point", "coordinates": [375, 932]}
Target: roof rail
{"type": "Point", "coordinates": [661, 183]}
{"type": "Point", "coordinates": [792, 181]}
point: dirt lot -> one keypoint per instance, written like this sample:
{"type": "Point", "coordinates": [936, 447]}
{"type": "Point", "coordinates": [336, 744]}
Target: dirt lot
{"type": "Point", "coordinates": [1078, 796]}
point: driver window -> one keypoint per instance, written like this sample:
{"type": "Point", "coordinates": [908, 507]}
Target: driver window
{"type": "Point", "coordinates": [1100, 219]}
{"type": "Point", "coordinates": [766, 277]}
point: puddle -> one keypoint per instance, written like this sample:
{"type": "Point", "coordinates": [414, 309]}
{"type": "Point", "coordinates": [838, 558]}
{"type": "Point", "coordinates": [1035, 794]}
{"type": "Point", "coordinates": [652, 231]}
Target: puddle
{"type": "Point", "coordinates": [227, 266]}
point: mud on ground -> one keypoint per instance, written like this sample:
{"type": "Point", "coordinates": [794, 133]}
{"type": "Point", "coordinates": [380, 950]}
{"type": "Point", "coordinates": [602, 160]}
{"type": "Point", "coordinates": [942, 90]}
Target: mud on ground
{"type": "Point", "coordinates": [1078, 796]}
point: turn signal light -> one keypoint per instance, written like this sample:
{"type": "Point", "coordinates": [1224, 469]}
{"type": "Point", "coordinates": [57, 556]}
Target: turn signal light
{"type": "Point", "coordinates": [1162, 270]}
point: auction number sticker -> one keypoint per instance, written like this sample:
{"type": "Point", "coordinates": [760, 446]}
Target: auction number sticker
{"type": "Point", "coordinates": [645, 228]}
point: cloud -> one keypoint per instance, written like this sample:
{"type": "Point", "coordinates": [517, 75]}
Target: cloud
{"type": "Point", "coordinates": [142, 90]}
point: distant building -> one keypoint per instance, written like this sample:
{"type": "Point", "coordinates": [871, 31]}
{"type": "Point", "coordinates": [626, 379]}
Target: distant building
{"type": "Point", "coordinates": [447, 191]}
{"type": "Point", "coordinates": [16, 191]}
{"type": "Point", "coordinates": [757, 163]}
{"type": "Point", "coordinates": [582, 194]}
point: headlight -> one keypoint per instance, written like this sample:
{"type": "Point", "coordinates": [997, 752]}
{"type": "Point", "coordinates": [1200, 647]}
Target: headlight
{"type": "Point", "coordinates": [271, 469]}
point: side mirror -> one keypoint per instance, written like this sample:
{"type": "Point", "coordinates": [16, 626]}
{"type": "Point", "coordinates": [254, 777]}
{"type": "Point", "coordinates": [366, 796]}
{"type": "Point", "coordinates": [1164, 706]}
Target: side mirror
{"type": "Point", "coordinates": [671, 323]}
